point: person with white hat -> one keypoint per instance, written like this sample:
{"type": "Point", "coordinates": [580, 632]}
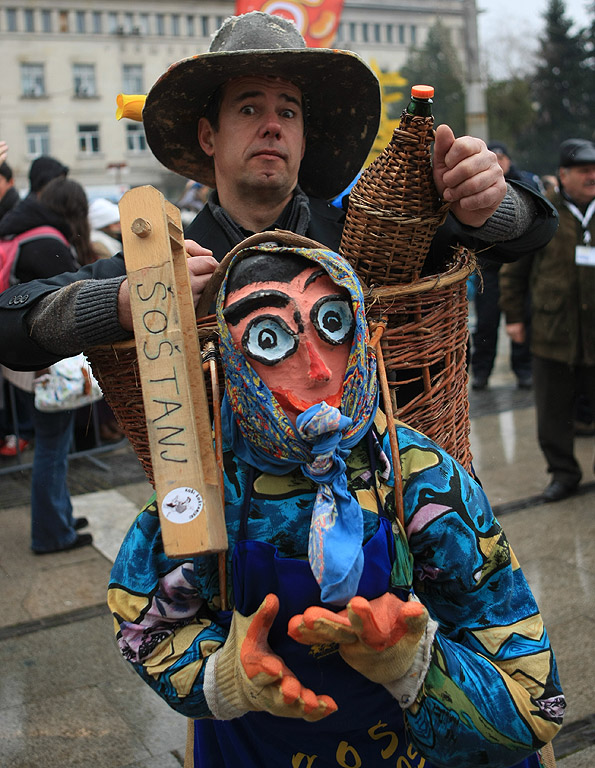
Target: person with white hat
{"type": "Point", "coordinates": [277, 130]}
{"type": "Point", "coordinates": [106, 231]}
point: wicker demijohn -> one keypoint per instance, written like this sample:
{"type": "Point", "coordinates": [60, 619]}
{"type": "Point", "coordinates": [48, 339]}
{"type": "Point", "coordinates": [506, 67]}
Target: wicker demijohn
{"type": "Point", "coordinates": [394, 212]}
{"type": "Point", "coordinates": [394, 209]}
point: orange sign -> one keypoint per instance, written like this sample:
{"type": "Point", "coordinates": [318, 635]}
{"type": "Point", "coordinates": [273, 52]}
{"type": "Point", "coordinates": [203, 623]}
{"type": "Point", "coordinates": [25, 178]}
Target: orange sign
{"type": "Point", "coordinates": [317, 20]}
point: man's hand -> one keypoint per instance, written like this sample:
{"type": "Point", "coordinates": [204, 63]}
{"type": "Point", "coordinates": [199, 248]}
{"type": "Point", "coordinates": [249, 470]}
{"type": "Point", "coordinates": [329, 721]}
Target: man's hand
{"type": "Point", "coordinates": [249, 677]}
{"type": "Point", "coordinates": [201, 266]}
{"type": "Point", "coordinates": [516, 332]}
{"type": "Point", "coordinates": [378, 638]}
{"type": "Point", "coordinates": [468, 176]}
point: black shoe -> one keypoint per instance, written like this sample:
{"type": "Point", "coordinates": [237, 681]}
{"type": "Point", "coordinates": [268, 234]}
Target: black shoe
{"type": "Point", "coordinates": [480, 382]}
{"type": "Point", "coordinates": [524, 382]}
{"type": "Point", "coordinates": [79, 522]}
{"type": "Point", "coordinates": [82, 540]}
{"type": "Point", "coordinates": [557, 490]}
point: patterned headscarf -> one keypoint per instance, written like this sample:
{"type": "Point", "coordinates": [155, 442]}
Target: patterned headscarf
{"type": "Point", "coordinates": [261, 434]}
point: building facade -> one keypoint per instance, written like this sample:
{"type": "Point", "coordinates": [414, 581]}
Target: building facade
{"type": "Point", "coordinates": [64, 65]}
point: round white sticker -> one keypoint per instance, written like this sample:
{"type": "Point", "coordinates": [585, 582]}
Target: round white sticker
{"type": "Point", "coordinates": [182, 505]}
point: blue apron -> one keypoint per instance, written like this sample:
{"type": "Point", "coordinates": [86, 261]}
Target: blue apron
{"type": "Point", "coordinates": [368, 728]}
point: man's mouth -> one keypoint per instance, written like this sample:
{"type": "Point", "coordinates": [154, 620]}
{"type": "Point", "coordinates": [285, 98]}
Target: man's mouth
{"type": "Point", "coordinates": [269, 153]}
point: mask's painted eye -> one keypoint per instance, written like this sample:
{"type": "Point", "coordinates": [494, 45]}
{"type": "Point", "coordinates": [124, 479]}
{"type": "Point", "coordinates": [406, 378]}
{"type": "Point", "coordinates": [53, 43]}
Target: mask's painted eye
{"type": "Point", "coordinates": [269, 340]}
{"type": "Point", "coordinates": [333, 319]}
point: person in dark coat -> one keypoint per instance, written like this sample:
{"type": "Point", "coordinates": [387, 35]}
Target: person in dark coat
{"type": "Point", "coordinates": [487, 296]}
{"type": "Point", "coordinates": [561, 278]}
{"type": "Point", "coordinates": [9, 195]}
{"type": "Point", "coordinates": [62, 205]}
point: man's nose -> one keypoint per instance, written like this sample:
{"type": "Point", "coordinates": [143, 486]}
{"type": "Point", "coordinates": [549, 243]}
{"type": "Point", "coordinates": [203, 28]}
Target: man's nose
{"type": "Point", "coordinates": [271, 125]}
{"type": "Point", "coordinates": [318, 370]}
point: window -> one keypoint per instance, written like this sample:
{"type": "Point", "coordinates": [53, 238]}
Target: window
{"type": "Point", "coordinates": [11, 19]}
{"type": "Point", "coordinates": [81, 24]}
{"type": "Point", "coordinates": [190, 26]}
{"type": "Point", "coordinates": [377, 37]}
{"type": "Point", "coordinates": [402, 34]}
{"type": "Point", "coordinates": [352, 35]}
{"type": "Point", "coordinates": [84, 80]}
{"type": "Point", "coordinates": [204, 25]}
{"type": "Point", "coordinates": [389, 33]}
{"type": "Point", "coordinates": [160, 19]}
{"type": "Point", "coordinates": [97, 23]}
{"type": "Point", "coordinates": [29, 20]}
{"type": "Point", "coordinates": [413, 34]}
{"type": "Point", "coordinates": [132, 78]}
{"type": "Point", "coordinates": [112, 23]}
{"type": "Point", "coordinates": [145, 26]}
{"type": "Point", "coordinates": [340, 32]}
{"type": "Point", "coordinates": [38, 140]}
{"type": "Point", "coordinates": [32, 80]}
{"type": "Point", "coordinates": [46, 21]}
{"type": "Point", "coordinates": [135, 138]}
{"type": "Point", "coordinates": [365, 35]}
{"type": "Point", "coordinates": [63, 21]}
{"type": "Point", "coordinates": [128, 23]}
{"type": "Point", "coordinates": [175, 25]}
{"type": "Point", "coordinates": [88, 139]}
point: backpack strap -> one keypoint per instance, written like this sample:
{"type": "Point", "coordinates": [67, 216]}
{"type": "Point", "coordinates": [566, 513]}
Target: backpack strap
{"type": "Point", "coordinates": [10, 249]}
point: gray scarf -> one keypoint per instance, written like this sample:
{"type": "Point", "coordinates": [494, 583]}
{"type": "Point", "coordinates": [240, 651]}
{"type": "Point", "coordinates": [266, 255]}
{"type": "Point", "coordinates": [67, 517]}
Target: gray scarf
{"type": "Point", "coordinates": [295, 217]}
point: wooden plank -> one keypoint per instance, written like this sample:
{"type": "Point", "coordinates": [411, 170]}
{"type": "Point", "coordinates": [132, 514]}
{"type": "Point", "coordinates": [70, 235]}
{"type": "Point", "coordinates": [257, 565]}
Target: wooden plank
{"type": "Point", "coordinates": [185, 470]}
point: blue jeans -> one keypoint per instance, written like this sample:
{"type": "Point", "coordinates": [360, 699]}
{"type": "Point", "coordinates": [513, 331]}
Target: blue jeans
{"type": "Point", "coordinates": [51, 509]}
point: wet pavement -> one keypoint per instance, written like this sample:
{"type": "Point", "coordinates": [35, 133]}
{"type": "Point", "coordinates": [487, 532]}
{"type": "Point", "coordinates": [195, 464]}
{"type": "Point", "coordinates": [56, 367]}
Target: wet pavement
{"type": "Point", "coordinates": [68, 700]}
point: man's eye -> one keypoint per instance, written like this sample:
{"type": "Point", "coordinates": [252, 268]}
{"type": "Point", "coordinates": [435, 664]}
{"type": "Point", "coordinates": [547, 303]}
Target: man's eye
{"type": "Point", "coordinates": [268, 339]}
{"type": "Point", "coordinates": [289, 113]}
{"type": "Point", "coordinates": [247, 110]}
{"type": "Point", "coordinates": [333, 319]}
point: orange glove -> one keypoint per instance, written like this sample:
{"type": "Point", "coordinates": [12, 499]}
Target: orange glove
{"type": "Point", "coordinates": [386, 639]}
{"type": "Point", "coordinates": [244, 675]}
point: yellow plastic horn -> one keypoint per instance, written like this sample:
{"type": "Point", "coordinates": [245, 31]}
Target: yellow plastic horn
{"type": "Point", "coordinates": [130, 106]}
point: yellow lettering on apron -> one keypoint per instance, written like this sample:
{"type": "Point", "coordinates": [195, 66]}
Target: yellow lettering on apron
{"type": "Point", "coordinates": [393, 740]}
{"type": "Point", "coordinates": [297, 760]}
{"type": "Point", "coordinates": [343, 750]}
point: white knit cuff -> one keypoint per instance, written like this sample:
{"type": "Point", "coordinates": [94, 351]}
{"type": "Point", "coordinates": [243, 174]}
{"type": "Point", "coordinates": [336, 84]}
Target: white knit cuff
{"type": "Point", "coordinates": [406, 688]}
{"type": "Point", "coordinates": [221, 708]}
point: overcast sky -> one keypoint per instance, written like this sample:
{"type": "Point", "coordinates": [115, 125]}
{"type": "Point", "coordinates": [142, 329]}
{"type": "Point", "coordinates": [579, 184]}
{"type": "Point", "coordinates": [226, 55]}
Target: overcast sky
{"type": "Point", "coordinates": [508, 28]}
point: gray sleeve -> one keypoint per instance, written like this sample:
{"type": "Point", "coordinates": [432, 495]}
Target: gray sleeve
{"type": "Point", "coordinates": [512, 219]}
{"type": "Point", "coordinates": [81, 315]}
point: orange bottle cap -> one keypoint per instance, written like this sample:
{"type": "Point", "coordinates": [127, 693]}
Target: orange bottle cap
{"type": "Point", "coordinates": [422, 91]}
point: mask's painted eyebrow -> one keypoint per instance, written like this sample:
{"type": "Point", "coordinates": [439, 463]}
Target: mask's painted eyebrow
{"type": "Point", "coordinates": [315, 276]}
{"type": "Point", "coordinates": [257, 300]}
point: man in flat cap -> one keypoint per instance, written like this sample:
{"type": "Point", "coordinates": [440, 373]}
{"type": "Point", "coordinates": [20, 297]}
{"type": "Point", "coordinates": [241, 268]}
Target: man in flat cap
{"type": "Point", "coordinates": [562, 281]}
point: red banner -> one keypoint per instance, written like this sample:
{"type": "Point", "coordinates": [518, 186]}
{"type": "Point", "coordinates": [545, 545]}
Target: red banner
{"type": "Point", "coordinates": [317, 20]}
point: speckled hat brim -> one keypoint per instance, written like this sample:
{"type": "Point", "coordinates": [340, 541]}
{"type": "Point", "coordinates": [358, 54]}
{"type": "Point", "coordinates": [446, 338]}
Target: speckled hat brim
{"type": "Point", "coordinates": [342, 98]}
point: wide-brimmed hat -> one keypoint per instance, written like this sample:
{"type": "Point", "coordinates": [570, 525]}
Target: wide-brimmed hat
{"type": "Point", "coordinates": [341, 100]}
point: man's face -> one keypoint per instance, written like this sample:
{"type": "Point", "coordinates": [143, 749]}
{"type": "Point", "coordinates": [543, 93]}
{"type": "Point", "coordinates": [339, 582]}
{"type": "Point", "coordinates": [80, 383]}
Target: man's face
{"type": "Point", "coordinates": [5, 185]}
{"type": "Point", "coordinates": [297, 336]}
{"type": "Point", "coordinates": [579, 182]}
{"type": "Point", "coordinates": [260, 142]}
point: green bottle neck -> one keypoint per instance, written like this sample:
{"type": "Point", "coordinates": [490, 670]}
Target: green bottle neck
{"type": "Point", "coordinates": [420, 107]}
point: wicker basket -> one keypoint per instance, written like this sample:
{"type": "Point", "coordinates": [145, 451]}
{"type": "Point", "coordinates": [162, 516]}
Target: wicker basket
{"type": "Point", "coordinates": [116, 369]}
{"type": "Point", "coordinates": [425, 353]}
{"type": "Point", "coordinates": [394, 209]}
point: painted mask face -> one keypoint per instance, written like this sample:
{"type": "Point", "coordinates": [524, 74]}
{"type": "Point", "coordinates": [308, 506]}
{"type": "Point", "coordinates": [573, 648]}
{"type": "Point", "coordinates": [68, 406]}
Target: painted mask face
{"type": "Point", "coordinates": [296, 334]}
